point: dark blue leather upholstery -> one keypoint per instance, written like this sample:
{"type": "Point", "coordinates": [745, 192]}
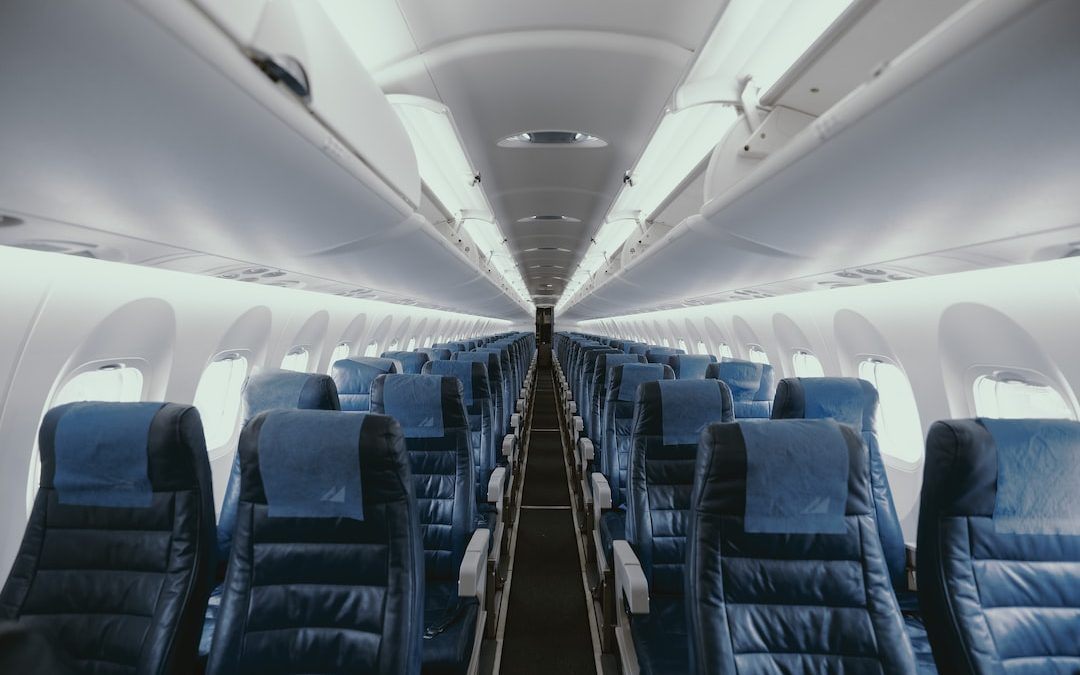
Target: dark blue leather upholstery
{"type": "Point", "coordinates": [619, 420]}
{"type": "Point", "coordinates": [444, 478]}
{"type": "Point", "coordinates": [119, 589]}
{"type": "Point", "coordinates": [996, 598]}
{"type": "Point", "coordinates": [605, 363]}
{"type": "Point", "coordinates": [660, 481]}
{"type": "Point", "coordinates": [411, 362]}
{"type": "Point", "coordinates": [353, 378]}
{"type": "Point", "coordinates": [316, 594]}
{"type": "Point", "coordinates": [480, 408]}
{"type": "Point", "coordinates": [690, 366]}
{"type": "Point", "coordinates": [499, 385]}
{"type": "Point", "coordinates": [751, 385]}
{"type": "Point", "coordinates": [269, 390]}
{"type": "Point", "coordinates": [853, 402]}
{"type": "Point", "coordinates": [661, 354]}
{"type": "Point", "coordinates": [452, 346]}
{"type": "Point", "coordinates": [584, 388]}
{"type": "Point", "coordinates": [436, 354]}
{"type": "Point", "coordinates": [787, 602]}
{"type": "Point", "coordinates": [635, 348]}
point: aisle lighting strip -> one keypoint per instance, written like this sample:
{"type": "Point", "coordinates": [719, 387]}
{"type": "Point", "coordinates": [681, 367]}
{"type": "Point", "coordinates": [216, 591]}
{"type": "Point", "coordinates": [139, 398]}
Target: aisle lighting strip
{"type": "Point", "coordinates": [447, 172]}
{"type": "Point", "coordinates": [752, 39]}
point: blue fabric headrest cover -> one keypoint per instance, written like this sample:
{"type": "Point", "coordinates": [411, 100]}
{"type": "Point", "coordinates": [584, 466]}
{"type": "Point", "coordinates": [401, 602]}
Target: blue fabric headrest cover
{"type": "Point", "coordinates": [688, 406]}
{"type": "Point", "coordinates": [101, 454]}
{"type": "Point", "coordinates": [411, 362]}
{"type": "Point", "coordinates": [690, 366]}
{"type": "Point", "coordinates": [354, 376]}
{"type": "Point", "coordinates": [847, 400]}
{"type": "Point", "coordinates": [309, 462]}
{"type": "Point", "coordinates": [1038, 485]}
{"type": "Point", "coordinates": [747, 380]}
{"type": "Point", "coordinates": [613, 360]}
{"type": "Point", "coordinates": [633, 374]}
{"type": "Point", "coordinates": [416, 402]}
{"type": "Point", "coordinates": [287, 389]}
{"type": "Point", "coordinates": [462, 370]}
{"type": "Point", "coordinates": [796, 476]}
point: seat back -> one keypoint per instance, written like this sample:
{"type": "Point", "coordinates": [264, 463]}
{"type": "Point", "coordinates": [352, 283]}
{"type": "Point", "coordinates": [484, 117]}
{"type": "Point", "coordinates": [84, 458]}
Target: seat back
{"type": "Point", "coordinates": [605, 362]}
{"type": "Point", "coordinates": [476, 393]}
{"type": "Point", "coordinates": [354, 376]}
{"type": "Point", "coordinates": [623, 383]}
{"type": "Point", "coordinates": [999, 546]}
{"type": "Point", "coordinates": [327, 564]}
{"type": "Point", "coordinates": [116, 561]}
{"type": "Point", "coordinates": [661, 354]}
{"type": "Point", "coordinates": [751, 385]}
{"type": "Point", "coordinates": [433, 420]}
{"type": "Point", "coordinates": [499, 385]}
{"type": "Point", "coordinates": [450, 346]}
{"type": "Point", "coordinates": [690, 366]}
{"type": "Point", "coordinates": [853, 402]}
{"type": "Point", "coordinates": [784, 566]}
{"type": "Point", "coordinates": [410, 362]}
{"type": "Point", "coordinates": [268, 390]}
{"type": "Point", "coordinates": [584, 388]}
{"type": "Point", "coordinates": [436, 354]}
{"type": "Point", "coordinates": [636, 348]}
{"type": "Point", "coordinates": [668, 423]}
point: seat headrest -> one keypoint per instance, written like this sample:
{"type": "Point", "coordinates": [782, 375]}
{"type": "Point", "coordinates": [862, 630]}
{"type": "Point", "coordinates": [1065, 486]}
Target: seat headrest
{"type": "Point", "coordinates": [690, 366]}
{"type": "Point", "coordinates": [747, 380]}
{"type": "Point", "coordinates": [119, 454]}
{"type": "Point", "coordinates": [635, 348]}
{"type": "Point", "coordinates": [488, 357]}
{"type": "Point", "coordinates": [355, 375]}
{"type": "Point", "coordinates": [473, 376]}
{"type": "Point", "coordinates": [678, 410]}
{"type": "Point", "coordinates": [343, 461]}
{"type": "Point", "coordinates": [606, 362]}
{"type": "Point", "coordinates": [271, 389]}
{"type": "Point", "coordinates": [411, 362]}
{"type": "Point", "coordinates": [624, 379]}
{"type": "Point", "coordinates": [452, 346]}
{"type": "Point", "coordinates": [784, 476]}
{"type": "Point", "coordinates": [436, 354]}
{"type": "Point", "coordinates": [661, 354]}
{"type": "Point", "coordinates": [1022, 472]}
{"type": "Point", "coordinates": [424, 405]}
{"type": "Point", "coordinates": [847, 400]}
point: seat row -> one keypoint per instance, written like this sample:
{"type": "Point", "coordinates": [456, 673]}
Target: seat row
{"type": "Point", "coordinates": [738, 531]}
{"type": "Point", "coordinates": [356, 541]}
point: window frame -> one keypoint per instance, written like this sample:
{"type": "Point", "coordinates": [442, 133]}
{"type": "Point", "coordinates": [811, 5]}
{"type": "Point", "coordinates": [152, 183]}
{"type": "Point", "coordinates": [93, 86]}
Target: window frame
{"type": "Point", "coordinates": [297, 350]}
{"type": "Point", "coordinates": [334, 357]}
{"type": "Point", "coordinates": [891, 459]}
{"type": "Point", "coordinates": [218, 450]}
{"type": "Point", "coordinates": [1003, 375]}
{"type": "Point", "coordinates": [819, 366]}
{"type": "Point", "coordinates": [753, 348]}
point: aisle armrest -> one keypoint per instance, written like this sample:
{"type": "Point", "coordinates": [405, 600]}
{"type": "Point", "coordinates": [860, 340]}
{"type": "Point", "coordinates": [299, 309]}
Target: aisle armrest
{"type": "Point", "coordinates": [509, 447]}
{"type": "Point", "coordinates": [497, 486]}
{"type": "Point", "coordinates": [630, 582]}
{"type": "Point", "coordinates": [472, 576]}
{"type": "Point", "coordinates": [601, 494]}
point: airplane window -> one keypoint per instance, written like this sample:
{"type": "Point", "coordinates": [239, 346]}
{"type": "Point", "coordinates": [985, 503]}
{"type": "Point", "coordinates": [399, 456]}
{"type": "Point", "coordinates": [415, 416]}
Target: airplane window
{"type": "Point", "coordinates": [372, 349]}
{"type": "Point", "coordinates": [427, 342]}
{"type": "Point", "coordinates": [806, 365]}
{"type": "Point", "coordinates": [666, 342]}
{"type": "Point", "coordinates": [218, 398]}
{"type": "Point", "coordinates": [393, 346]}
{"type": "Point", "coordinates": [297, 359]}
{"type": "Point", "coordinates": [114, 382]}
{"type": "Point", "coordinates": [1008, 395]}
{"type": "Point", "coordinates": [898, 414]}
{"type": "Point", "coordinates": [723, 350]}
{"type": "Point", "coordinates": [757, 354]}
{"type": "Point", "coordinates": [682, 344]}
{"type": "Point", "coordinates": [440, 340]}
{"type": "Point", "coordinates": [411, 346]}
{"type": "Point", "coordinates": [701, 348]}
{"type": "Point", "coordinates": [340, 352]}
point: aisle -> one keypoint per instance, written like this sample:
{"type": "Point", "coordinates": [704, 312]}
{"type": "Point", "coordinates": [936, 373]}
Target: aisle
{"type": "Point", "coordinates": [547, 626]}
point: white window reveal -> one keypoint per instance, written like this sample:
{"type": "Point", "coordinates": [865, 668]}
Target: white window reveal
{"type": "Point", "coordinates": [806, 364]}
{"type": "Point", "coordinates": [701, 348]}
{"type": "Point", "coordinates": [682, 344]}
{"type": "Point", "coordinates": [297, 359]}
{"type": "Point", "coordinates": [666, 342]}
{"type": "Point", "coordinates": [900, 430]}
{"type": "Point", "coordinates": [723, 350]}
{"type": "Point", "coordinates": [340, 352]}
{"type": "Point", "coordinates": [218, 398]}
{"type": "Point", "coordinates": [372, 349]}
{"type": "Point", "coordinates": [1012, 396]}
{"type": "Point", "coordinates": [758, 355]}
{"type": "Point", "coordinates": [412, 345]}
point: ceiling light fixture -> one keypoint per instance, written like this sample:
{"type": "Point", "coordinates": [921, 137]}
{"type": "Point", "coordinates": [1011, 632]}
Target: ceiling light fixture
{"type": "Point", "coordinates": [565, 219]}
{"type": "Point", "coordinates": [552, 138]}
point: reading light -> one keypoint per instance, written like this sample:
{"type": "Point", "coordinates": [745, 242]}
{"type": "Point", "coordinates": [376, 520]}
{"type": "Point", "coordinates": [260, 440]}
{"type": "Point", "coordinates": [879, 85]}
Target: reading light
{"type": "Point", "coordinates": [758, 40]}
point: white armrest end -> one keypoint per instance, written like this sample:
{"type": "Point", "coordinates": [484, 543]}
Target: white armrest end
{"type": "Point", "coordinates": [496, 486]}
{"type": "Point", "coordinates": [630, 582]}
{"type": "Point", "coordinates": [472, 576]}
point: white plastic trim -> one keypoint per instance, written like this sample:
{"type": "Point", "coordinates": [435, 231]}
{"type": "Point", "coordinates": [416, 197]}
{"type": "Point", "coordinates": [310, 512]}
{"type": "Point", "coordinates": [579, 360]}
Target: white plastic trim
{"type": "Point", "coordinates": [472, 576]}
{"type": "Point", "coordinates": [630, 582]}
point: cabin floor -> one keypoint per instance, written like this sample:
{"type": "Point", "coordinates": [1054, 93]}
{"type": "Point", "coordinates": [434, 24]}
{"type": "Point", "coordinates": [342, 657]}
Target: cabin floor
{"type": "Point", "coordinates": [546, 623]}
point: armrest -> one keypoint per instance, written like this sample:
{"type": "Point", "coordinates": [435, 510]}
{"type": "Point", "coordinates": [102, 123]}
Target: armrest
{"type": "Point", "coordinates": [587, 450]}
{"type": "Point", "coordinates": [497, 486]}
{"type": "Point", "coordinates": [630, 582]}
{"type": "Point", "coordinates": [601, 495]}
{"type": "Point", "coordinates": [509, 445]}
{"type": "Point", "coordinates": [579, 424]}
{"type": "Point", "coordinates": [521, 405]}
{"type": "Point", "coordinates": [472, 576]}
{"type": "Point", "coordinates": [573, 407]}
{"type": "Point", "coordinates": [515, 421]}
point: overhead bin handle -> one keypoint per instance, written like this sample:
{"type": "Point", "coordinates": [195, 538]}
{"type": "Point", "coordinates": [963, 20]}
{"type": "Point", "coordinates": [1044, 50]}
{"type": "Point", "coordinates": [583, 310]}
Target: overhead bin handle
{"type": "Point", "coordinates": [285, 70]}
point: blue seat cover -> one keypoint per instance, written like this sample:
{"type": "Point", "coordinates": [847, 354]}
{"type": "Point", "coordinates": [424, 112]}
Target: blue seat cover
{"type": "Point", "coordinates": [751, 385]}
{"type": "Point", "coordinates": [690, 366]}
{"type": "Point", "coordinates": [353, 378]}
{"type": "Point", "coordinates": [411, 362]}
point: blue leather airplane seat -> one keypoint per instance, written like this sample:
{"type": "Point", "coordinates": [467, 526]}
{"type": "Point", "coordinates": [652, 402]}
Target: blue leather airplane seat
{"type": "Point", "coordinates": [435, 354]}
{"type": "Point", "coordinates": [116, 562]}
{"type": "Point", "coordinates": [353, 378]}
{"type": "Point", "coordinates": [751, 386]}
{"type": "Point", "coordinates": [605, 362]}
{"type": "Point", "coordinates": [498, 385]}
{"type": "Point", "coordinates": [411, 362]}
{"type": "Point", "coordinates": [690, 366]}
{"type": "Point", "coordinates": [999, 546]}
{"type": "Point", "coordinates": [784, 568]}
{"type": "Point", "coordinates": [656, 354]}
{"type": "Point", "coordinates": [435, 424]}
{"type": "Point", "coordinates": [584, 390]}
{"type": "Point", "coordinates": [452, 346]}
{"type": "Point", "coordinates": [668, 424]}
{"type": "Point", "coordinates": [326, 572]}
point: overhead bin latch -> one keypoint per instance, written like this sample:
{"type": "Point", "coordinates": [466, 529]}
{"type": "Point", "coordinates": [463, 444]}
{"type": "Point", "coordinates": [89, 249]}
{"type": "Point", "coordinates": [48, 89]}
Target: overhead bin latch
{"type": "Point", "coordinates": [285, 70]}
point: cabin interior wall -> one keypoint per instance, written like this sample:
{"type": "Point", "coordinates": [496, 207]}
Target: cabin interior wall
{"type": "Point", "coordinates": [942, 331]}
{"type": "Point", "coordinates": [63, 313]}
